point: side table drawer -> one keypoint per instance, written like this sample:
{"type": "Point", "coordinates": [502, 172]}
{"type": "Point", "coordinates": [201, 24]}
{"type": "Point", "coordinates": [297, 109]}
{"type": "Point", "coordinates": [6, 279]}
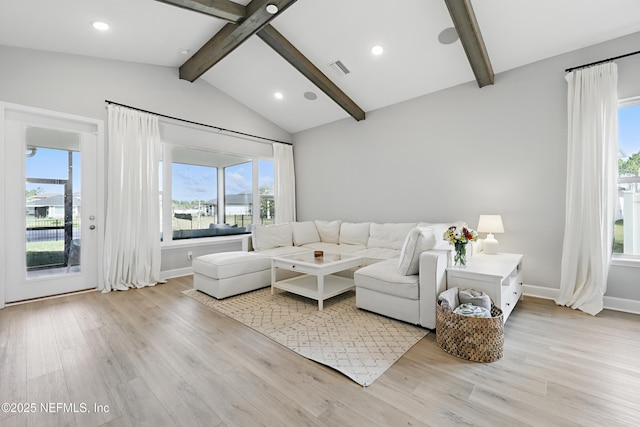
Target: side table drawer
{"type": "Point", "coordinates": [510, 296]}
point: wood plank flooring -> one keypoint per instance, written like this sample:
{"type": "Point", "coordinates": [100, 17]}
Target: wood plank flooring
{"type": "Point", "coordinates": [155, 357]}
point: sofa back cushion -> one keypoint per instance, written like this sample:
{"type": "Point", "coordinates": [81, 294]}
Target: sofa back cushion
{"type": "Point", "coordinates": [304, 233]}
{"type": "Point", "coordinates": [271, 236]}
{"type": "Point", "coordinates": [329, 231]}
{"type": "Point", "coordinates": [418, 240]}
{"type": "Point", "coordinates": [439, 229]}
{"type": "Point", "coordinates": [352, 233]}
{"type": "Point", "coordinates": [388, 236]}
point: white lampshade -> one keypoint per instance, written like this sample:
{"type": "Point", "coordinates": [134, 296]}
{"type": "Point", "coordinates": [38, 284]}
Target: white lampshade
{"type": "Point", "coordinates": [490, 224]}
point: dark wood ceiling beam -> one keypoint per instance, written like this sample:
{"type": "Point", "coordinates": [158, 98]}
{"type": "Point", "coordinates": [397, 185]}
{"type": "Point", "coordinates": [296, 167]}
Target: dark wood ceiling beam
{"type": "Point", "coordinates": [300, 62]}
{"type": "Point", "coordinates": [464, 19]}
{"type": "Point", "coordinates": [223, 9]}
{"type": "Point", "coordinates": [230, 37]}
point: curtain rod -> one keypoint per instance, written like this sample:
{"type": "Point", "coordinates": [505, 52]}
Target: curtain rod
{"type": "Point", "coordinates": [199, 124]}
{"type": "Point", "coordinates": [568, 70]}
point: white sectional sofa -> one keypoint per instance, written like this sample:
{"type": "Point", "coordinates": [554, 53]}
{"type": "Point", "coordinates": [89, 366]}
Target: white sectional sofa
{"type": "Point", "coordinates": [404, 262]}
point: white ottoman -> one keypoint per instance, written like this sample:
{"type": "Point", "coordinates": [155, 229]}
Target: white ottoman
{"type": "Point", "coordinates": [231, 273]}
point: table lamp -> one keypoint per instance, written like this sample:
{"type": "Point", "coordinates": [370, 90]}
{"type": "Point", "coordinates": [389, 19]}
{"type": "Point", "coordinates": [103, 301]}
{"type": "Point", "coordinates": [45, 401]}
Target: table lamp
{"type": "Point", "coordinates": [490, 224]}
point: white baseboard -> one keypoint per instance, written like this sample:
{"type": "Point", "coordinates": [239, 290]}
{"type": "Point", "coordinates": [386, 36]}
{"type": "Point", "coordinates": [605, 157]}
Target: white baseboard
{"type": "Point", "coordinates": [621, 304]}
{"type": "Point", "coordinates": [178, 272]}
{"type": "Point", "coordinates": [610, 303]}
{"type": "Point", "coordinates": [541, 292]}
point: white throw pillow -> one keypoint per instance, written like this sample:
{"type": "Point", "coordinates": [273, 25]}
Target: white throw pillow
{"type": "Point", "coordinates": [352, 233]}
{"type": "Point", "coordinates": [418, 240]}
{"type": "Point", "coordinates": [271, 236]}
{"type": "Point", "coordinates": [329, 231]}
{"type": "Point", "coordinates": [304, 232]}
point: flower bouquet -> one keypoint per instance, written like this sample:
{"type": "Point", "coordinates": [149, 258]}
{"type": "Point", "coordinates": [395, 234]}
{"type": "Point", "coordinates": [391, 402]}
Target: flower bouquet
{"type": "Point", "coordinates": [459, 237]}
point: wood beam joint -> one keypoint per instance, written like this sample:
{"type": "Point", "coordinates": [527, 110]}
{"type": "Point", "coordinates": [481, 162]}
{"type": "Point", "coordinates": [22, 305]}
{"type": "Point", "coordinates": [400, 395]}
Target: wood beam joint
{"type": "Point", "coordinates": [230, 37]}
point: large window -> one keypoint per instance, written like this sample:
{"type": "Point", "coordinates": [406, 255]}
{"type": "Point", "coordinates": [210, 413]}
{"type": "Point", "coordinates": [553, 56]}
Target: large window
{"type": "Point", "coordinates": [627, 224]}
{"type": "Point", "coordinates": [214, 194]}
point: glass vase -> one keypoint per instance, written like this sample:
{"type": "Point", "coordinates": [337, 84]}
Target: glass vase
{"type": "Point", "coordinates": [460, 256]}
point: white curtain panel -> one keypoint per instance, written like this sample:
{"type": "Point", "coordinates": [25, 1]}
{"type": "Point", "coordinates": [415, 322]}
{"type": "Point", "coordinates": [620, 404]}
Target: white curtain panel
{"type": "Point", "coordinates": [285, 183]}
{"type": "Point", "coordinates": [591, 186]}
{"type": "Point", "coordinates": [132, 234]}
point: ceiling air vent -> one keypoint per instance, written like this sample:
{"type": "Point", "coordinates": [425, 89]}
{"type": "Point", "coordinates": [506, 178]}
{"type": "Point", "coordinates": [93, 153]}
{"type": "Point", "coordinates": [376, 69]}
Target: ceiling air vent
{"type": "Point", "coordinates": [340, 68]}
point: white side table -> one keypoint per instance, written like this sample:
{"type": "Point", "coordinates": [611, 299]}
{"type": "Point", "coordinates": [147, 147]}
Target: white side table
{"type": "Point", "coordinates": [499, 276]}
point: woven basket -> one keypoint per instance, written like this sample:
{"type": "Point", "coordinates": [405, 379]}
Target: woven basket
{"type": "Point", "coordinates": [471, 338]}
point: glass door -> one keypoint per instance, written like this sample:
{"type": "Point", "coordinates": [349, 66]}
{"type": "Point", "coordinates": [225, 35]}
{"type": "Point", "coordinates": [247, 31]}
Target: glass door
{"type": "Point", "coordinates": [53, 202]}
{"type": "Point", "coordinates": [50, 182]}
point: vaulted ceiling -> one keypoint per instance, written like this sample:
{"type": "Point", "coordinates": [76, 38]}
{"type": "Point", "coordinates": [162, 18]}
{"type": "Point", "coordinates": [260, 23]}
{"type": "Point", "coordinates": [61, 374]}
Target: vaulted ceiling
{"type": "Point", "coordinates": [250, 54]}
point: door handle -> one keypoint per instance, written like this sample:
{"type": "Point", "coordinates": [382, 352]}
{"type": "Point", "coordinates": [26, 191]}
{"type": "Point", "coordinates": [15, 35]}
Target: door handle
{"type": "Point", "coordinates": [92, 227]}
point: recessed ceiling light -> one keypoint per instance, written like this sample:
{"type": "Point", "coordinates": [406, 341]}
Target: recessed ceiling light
{"type": "Point", "coordinates": [448, 36]}
{"type": "Point", "coordinates": [183, 51]}
{"type": "Point", "coordinates": [100, 25]}
{"type": "Point", "coordinates": [377, 50]}
{"type": "Point", "coordinates": [278, 95]}
{"type": "Point", "coordinates": [272, 9]}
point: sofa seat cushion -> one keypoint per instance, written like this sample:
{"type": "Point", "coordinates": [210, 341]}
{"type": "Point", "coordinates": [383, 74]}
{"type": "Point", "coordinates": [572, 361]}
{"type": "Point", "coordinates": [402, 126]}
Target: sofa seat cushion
{"type": "Point", "coordinates": [283, 250]}
{"type": "Point", "coordinates": [378, 254]}
{"type": "Point", "coordinates": [384, 277]}
{"type": "Point", "coordinates": [230, 264]}
{"type": "Point", "coordinates": [332, 248]}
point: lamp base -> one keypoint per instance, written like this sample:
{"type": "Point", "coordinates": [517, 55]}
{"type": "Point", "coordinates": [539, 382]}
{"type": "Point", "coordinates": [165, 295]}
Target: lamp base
{"type": "Point", "coordinates": [490, 245]}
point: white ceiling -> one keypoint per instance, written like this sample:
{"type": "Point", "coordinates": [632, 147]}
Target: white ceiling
{"type": "Point", "coordinates": [414, 63]}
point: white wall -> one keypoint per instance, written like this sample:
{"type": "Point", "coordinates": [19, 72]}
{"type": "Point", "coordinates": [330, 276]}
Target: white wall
{"type": "Point", "coordinates": [79, 85]}
{"type": "Point", "coordinates": [462, 152]}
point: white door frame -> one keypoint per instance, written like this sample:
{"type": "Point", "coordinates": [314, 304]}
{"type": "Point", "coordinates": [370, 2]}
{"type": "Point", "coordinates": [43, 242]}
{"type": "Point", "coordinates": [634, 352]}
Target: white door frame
{"type": "Point", "coordinates": [100, 179]}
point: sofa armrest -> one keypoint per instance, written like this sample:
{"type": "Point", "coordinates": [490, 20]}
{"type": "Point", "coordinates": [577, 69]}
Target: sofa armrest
{"type": "Point", "coordinates": [433, 280]}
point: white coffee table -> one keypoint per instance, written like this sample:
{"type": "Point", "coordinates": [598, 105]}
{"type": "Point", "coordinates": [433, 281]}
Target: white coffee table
{"type": "Point", "coordinates": [317, 281]}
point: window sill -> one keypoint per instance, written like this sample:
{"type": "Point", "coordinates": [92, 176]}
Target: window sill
{"type": "Point", "coordinates": [207, 241]}
{"type": "Point", "coordinates": [631, 261]}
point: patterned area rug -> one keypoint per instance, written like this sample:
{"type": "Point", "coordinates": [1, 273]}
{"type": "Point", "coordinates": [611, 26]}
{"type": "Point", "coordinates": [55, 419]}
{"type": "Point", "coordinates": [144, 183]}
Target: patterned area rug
{"type": "Point", "coordinates": [357, 343]}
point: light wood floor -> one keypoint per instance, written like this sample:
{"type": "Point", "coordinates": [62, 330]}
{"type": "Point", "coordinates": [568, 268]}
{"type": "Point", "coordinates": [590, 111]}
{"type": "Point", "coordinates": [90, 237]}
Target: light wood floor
{"type": "Point", "coordinates": [155, 357]}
